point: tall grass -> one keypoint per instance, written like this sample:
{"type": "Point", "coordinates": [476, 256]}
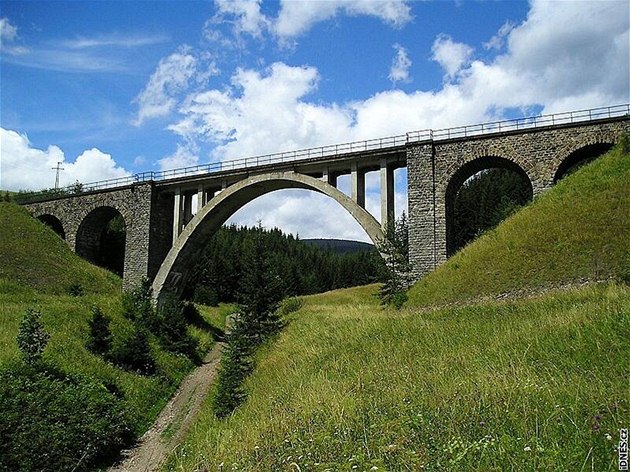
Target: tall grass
{"type": "Point", "coordinates": [526, 385]}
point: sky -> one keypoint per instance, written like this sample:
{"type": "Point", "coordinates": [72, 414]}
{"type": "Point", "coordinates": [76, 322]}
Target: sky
{"type": "Point", "coordinates": [112, 88]}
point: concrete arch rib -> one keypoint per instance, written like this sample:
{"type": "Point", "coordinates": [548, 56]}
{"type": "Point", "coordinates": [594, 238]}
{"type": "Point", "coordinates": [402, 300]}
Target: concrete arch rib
{"type": "Point", "coordinates": [172, 274]}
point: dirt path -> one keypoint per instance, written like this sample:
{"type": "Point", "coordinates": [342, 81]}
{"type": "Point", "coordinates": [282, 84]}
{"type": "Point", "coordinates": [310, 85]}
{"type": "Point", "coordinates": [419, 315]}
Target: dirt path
{"type": "Point", "coordinates": [173, 421]}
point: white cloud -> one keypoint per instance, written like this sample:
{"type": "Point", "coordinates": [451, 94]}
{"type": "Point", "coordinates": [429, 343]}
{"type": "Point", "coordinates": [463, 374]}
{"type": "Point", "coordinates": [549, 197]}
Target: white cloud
{"type": "Point", "coordinates": [262, 113]}
{"type": "Point", "coordinates": [401, 63]}
{"type": "Point", "coordinates": [23, 167]}
{"type": "Point", "coordinates": [452, 56]}
{"type": "Point", "coordinates": [247, 16]}
{"type": "Point", "coordinates": [498, 40]}
{"type": "Point", "coordinates": [8, 35]}
{"type": "Point", "coordinates": [115, 40]}
{"type": "Point", "coordinates": [295, 18]}
{"type": "Point", "coordinates": [171, 77]}
{"type": "Point", "coordinates": [184, 156]}
{"type": "Point", "coordinates": [8, 32]}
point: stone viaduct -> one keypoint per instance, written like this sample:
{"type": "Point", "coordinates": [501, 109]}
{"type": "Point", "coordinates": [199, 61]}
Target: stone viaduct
{"type": "Point", "coordinates": [164, 234]}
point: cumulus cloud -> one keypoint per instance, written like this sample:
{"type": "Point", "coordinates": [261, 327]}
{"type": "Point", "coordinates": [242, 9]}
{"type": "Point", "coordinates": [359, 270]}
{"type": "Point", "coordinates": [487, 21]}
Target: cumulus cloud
{"type": "Point", "coordinates": [452, 56]}
{"type": "Point", "coordinates": [401, 63]}
{"type": "Point", "coordinates": [171, 77]}
{"type": "Point", "coordinates": [247, 15]}
{"type": "Point", "coordinates": [295, 18]}
{"type": "Point", "coordinates": [24, 167]}
{"type": "Point", "coordinates": [261, 113]}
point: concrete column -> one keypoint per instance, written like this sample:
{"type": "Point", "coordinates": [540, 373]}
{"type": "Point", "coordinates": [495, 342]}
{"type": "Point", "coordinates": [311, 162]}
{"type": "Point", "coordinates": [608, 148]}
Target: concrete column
{"type": "Point", "coordinates": [201, 197]}
{"type": "Point", "coordinates": [188, 198]}
{"type": "Point", "coordinates": [387, 194]}
{"type": "Point", "coordinates": [177, 214]}
{"type": "Point", "coordinates": [357, 185]}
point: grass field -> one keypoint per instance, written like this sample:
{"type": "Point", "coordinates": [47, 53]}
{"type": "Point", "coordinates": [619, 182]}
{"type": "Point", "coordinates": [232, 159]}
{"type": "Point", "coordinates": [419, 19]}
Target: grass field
{"type": "Point", "coordinates": [457, 380]}
{"type": "Point", "coordinates": [525, 385]}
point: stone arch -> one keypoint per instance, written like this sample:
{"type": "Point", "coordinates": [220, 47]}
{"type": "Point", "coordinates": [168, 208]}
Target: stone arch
{"type": "Point", "coordinates": [90, 234]}
{"type": "Point", "coordinates": [53, 223]}
{"type": "Point", "coordinates": [580, 156]}
{"type": "Point", "coordinates": [172, 274]}
{"type": "Point", "coordinates": [462, 174]}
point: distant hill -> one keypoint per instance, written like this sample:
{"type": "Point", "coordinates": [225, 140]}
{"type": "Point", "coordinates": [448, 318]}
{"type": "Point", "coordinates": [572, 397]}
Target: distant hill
{"type": "Point", "coordinates": [341, 246]}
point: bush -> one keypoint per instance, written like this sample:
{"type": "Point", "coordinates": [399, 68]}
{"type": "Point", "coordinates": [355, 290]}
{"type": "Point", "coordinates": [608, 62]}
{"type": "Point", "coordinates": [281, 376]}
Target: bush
{"type": "Point", "coordinates": [53, 422]}
{"type": "Point", "coordinates": [100, 341]}
{"type": "Point", "coordinates": [173, 333]}
{"type": "Point", "coordinates": [75, 290]}
{"type": "Point", "coordinates": [206, 296]}
{"type": "Point", "coordinates": [290, 305]}
{"type": "Point", "coordinates": [134, 352]}
{"type": "Point", "coordinates": [138, 305]}
{"type": "Point", "coordinates": [32, 338]}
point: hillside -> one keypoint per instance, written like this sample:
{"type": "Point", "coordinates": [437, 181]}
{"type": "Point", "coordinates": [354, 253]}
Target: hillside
{"type": "Point", "coordinates": [34, 256]}
{"type": "Point", "coordinates": [578, 230]}
{"type": "Point", "coordinates": [536, 383]}
{"type": "Point", "coordinates": [340, 245]}
{"type": "Point", "coordinates": [36, 270]}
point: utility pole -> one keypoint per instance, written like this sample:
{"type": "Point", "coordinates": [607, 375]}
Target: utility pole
{"type": "Point", "coordinates": [58, 168]}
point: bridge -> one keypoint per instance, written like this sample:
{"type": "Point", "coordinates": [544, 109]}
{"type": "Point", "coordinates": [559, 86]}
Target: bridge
{"type": "Point", "coordinates": [164, 233]}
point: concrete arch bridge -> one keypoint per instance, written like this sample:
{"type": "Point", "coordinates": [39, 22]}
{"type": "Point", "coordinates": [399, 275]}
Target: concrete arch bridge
{"type": "Point", "coordinates": [163, 236]}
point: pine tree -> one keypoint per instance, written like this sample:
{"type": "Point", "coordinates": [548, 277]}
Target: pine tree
{"type": "Point", "coordinates": [395, 250]}
{"type": "Point", "coordinates": [32, 338]}
{"type": "Point", "coordinates": [100, 341]}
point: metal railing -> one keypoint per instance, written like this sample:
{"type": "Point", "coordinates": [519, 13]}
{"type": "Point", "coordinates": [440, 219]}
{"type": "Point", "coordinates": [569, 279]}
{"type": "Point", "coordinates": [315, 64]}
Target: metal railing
{"type": "Point", "coordinates": [334, 150]}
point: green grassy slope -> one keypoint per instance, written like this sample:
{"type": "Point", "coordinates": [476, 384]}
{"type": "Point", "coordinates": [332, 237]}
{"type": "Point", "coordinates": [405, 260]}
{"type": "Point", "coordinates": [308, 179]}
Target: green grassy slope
{"type": "Point", "coordinates": [36, 269]}
{"type": "Point", "coordinates": [523, 385]}
{"type": "Point", "coordinates": [32, 255]}
{"type": "Point", "coordinates": [531, 384]}
{"type": "Point", "coordinates": [580, 229]}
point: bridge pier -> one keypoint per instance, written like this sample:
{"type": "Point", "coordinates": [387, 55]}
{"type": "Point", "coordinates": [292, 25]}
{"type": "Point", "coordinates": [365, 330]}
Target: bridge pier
{"type": "Point", "coordinates": [387, 194]}
{"type": "Point", "coordinates": [357, 184]}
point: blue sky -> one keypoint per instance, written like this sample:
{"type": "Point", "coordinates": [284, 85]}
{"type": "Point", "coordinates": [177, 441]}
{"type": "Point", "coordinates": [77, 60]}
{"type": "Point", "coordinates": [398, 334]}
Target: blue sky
{"type": "Point", "coordinates": [111, 88]}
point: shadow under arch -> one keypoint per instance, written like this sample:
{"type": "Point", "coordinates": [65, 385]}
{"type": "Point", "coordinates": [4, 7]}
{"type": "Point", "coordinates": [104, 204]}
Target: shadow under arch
{"type": "Point", "coordinates": [580, 157]}
{"type": "Point", "coordinates": [93, 242]}
{"type": "Point", "coordinates": [173, 272]}
{"type": "Point", "coordinates": [53, 223]}
{"type": "Point", "coordinates": [464, 173]}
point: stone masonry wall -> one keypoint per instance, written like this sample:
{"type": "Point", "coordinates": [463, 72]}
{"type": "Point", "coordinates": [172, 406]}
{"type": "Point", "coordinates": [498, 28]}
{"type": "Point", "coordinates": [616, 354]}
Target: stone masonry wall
{"type": "Point", "coordinates": [538, 153]}
{"type": "Point", "coordinates": [133, 203]}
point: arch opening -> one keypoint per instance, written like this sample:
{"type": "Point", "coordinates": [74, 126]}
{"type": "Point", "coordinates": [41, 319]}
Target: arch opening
{"type": "Point", "coordinates": [311, 243]}
{"type": "Point", "coordinates": [53, 223]}
{"type": "Point", "coordinates": [480, 195]}
{"type": "Point", "coordinates": [579, 158]}
{"type": "Point", "coordinates": [101, 239]}
{"type": "Point", "coordinates": [175, 270]}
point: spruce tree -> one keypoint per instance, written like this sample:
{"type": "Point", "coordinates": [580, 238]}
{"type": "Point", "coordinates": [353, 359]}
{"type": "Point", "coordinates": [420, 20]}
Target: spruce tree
{"type": "Point", "coordinates": [395, 250]}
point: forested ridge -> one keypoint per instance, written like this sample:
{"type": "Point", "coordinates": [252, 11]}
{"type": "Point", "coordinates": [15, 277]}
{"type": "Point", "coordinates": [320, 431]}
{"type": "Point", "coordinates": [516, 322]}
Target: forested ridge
{"type": "Point", "coordinates": [302, 268]}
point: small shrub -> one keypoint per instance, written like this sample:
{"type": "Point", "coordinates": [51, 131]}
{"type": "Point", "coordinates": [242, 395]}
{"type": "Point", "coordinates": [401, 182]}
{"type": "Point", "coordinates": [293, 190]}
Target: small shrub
{"type": "Point", "coordinates": [134, 352]}
{"type": "Point", "coordinates": [206, 296]}
{"type": "Point", "coordinates": [100, 341]}
{"type": "Point", "coordinates": [32, 338]}
{"type": "Point", "coordinates": [173, 333]}
{"type": "Point", "coordinates": [290, 305]}
{"type": "Point", "coordinates": [53, 422]}
{"type": "Point", "coordinates": [138, 306]}
{"type": "Point", "coordinates": [75, 290]}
